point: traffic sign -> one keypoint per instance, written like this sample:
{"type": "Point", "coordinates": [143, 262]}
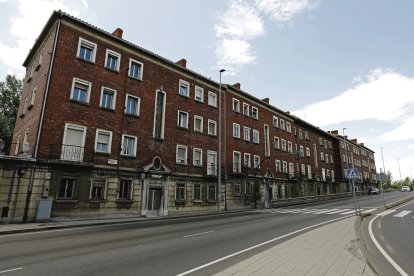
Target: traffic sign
{"type": "Point", "coordinates": [352, 173]}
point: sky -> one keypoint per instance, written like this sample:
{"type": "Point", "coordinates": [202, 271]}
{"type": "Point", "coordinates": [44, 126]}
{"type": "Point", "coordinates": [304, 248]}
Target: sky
{"type": "Point", "coordinates": [340, 65]}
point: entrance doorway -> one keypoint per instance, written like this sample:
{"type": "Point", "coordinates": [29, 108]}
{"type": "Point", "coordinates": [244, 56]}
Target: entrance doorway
{"type": "Point", "coordinates": [154, 202]}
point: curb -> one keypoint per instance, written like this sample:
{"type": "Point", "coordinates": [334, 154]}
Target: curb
{"type": "Point", "coordinates": [399, 202]}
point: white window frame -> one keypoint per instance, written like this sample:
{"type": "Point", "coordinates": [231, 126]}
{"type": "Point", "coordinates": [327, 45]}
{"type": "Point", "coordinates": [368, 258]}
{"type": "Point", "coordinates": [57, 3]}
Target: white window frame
{"type": "Point", "coordinates": [212, 99]}
{"type": "Point", "coordinates": [288, 127]}
{"type": "Point", "coordinates": [236, 105]}
{"type": "Point", "coordinates": [278, 166]}
{"type": "Point", "coordinates": [282, 124]}
{"type": "Point", "coordinates": [32, 100]}
{"type": "Point", "coordinates": [163, 114]}
{"type": "Point", "coordinates": [76, 127]}
{"type": "Point", "coordinates": [211, 171]}
{"type": "Point", "coordinates": [283, 145]}
{"type": "Point", "coordinates": [141, 69]}
{"type": "Point", "coordinates": [131, 191]}
{"type": "Point", "coordinates": [308, 153]}
{"type": "Point", "coordinates": [275, 121]}
{"type": "Point", "coordinates": [115, 54]}
{"type": "Point", "coordinates": [197, 186]}
{"type": "Point", "coordinates": [236, 131]}
{"type": "Point", "coordinates": [237, 189]}
{"type": "Point", "coordinates": [246, 160]}
{"type": "Point", "coordinates": [138, 105]}
{"type": "Point", "coordinates": [237, 166]}
{"type": "Point", "coordinates": [107, 132]}
{"type": "Point", "coordinates": [179, 122]}
{"type": "Point", "coordinates": [104, 183]}
{"type": "Point", "coordinates": [134, 153]}
{"type": "Point", "coordinates": [256, 137]}
{"type": "Point", "coordinates": [215, 127]}
{"type": "Point", "coordinates": [197, 163]}
{"type": "Point", "coordinates": [183, 83]}
{"type": "Point", "coordinates": [255, 113]}
{"type": "Point", "coordinates": [256, 162]}
{"type": "Point", "coordinates": [246, 133]}
{"type": "Point", "coordinates": [198, 118]}
{"type": "Point", "coordinates": [199, 94]}
{"type": "Point", "coordinates": [178, 159]}
{"type": "Point", "coordinates": [113, 103]}
{"type": "Point", "coordinates": [276, 142]}
{"type": "Point", "coordinates": [289, 146]}
{"type": "Point", "coordinates": [246, 109]}
{"type": "Point", "coordinates": [179, 186]}
{"type": "Point", "coordinates": [89, 45]}
{"type": "Point", "coordinates": [82, 82]}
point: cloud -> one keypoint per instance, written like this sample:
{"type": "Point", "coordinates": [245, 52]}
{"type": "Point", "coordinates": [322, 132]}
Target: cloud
{"type": "Point", "coordinates": [402, 132]}
{"type": "Point", "coordinates": [25, 27]}
{"type": "Point", "coordinates": [382, 95]}
{"type": "Point", "coordinates": [243, 22]}
{"type": "Point", "coordinates": [284, 10]}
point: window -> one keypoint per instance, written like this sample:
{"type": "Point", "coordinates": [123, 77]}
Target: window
{"type": "Point", "coordinates": [199, 94]}
{"type": "Point", "coordinates": [236, 105]}
{"type": "Point", "coordinates": [197, 157]}
{"type": "Point", "coordinates": [32, 101]}
{"type": "Point", "coordinates": [276, 142]}
{"type": "Point", "coordinates": [284, 167]}
{"type": "Point", "coordinates": [184, 89]}
{"type": "Point", "coordinates": [302, 152]}
{"type": "Point", "coordinates": [132, 104]}
{"type": "Point", "coordinates": [81, 90]}
{"type": "Point", "coordinates": [283, 144]}
{"type": "Point", "coordinates": [308, 154]}
{"type": "Point", "coordinates": [237, 189]}
{"type": "Point", "coordinates": [278, 166]}
{"type": "Point", "coordinates": [306, 135]}
{"type": "Point", "coordinates": [236, 130]}
{"type": "Point", "coordinates": [211, 192]}
{"type": "Point", "coordinates": [275, 121]}
{"type": "Point", "coordinates": [255, 136]}
{"type": "Point", "coordinates": [246, 133]}
{"type": "Point", "coordinates": [248, 188]}
{"type": "Point", "coordinates": [108, 98]}
{"type": "Point", "coordinates": [266, 140]}
{"type": "Point", "coordinates": [198, 124]}
{"type": "Point", "coordinates": [180, 192]}
{"type": "Point", "coordinates": [181, 155]}
{"type": "Point", "coordinates": [256, 161]}
{"type": "Point", "coordinates": [26, 136]}
{"type": "Point", "coordinates": [67, 188]}
{"type": "Point", "coordinates": [98, 189]}
{"type": "Point", "coordinates": [16, 150]}
{"type": "Point", "coordinates": [211, 163]}
{"type": "Point", "coordinates": [300, 134]}
{"type": "Point", "coordinates": [129, 145]}
{"type": "Point", "coordinates": [135, 69]}
{"type": "Point", "coordinates": [26, 100]}
{"type": "Point", "coordinates": [245, 109]}
{"type": "Point", "coordinates": [330, 145]}
{"type": "Point", "coordinates": [236, 162]}
{"type": "Point", "coordinates": [325, 144]}
{"type": "Point", "coordinates": [212, 129]}
{"type": "Point", "coordinates": [322, 157]}
{"type": "Point", "coordinates": [326, 158]}
{"type": "Point", "coordinates": [309, 172]}
{"type": "Point", "coordinates": [73, 142]}
{"type": "Point", "coordinates": [103, 140]}
{"type": "Point", "coordinates": [282, 124]}
{"type": "Point", "coordinates": [290, 146]}
{"type": "Point", "coordinates": [112, 60]}
{"type": "Point", "coordinates": [125, 189]}
{"type": "Point", "coordinates": [182, 119]}
{"type": "Point", "coordinates": [303, 169]}
{"type": "Point", "coordinates": [288, 127]}
{"type": "Point", "coordinates": [247, 160]}
{"type": "Point", "coordinates": [255, 113]}
{"type": "Point", "coordinates": [320, 142]}
{"type": "Point", "coordinates": [86, 50]}
{"type": "Point", "coordinates": [40, 59]}
{"type": "Point", "coordinates": [159, 115]}
{"type": "Point", "coordinates": [197, 192]}
{"type": "Point", "coordinates": [212, 99]}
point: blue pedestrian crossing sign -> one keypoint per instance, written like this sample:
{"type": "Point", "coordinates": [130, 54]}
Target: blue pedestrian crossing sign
{"type": "Point", "coordinates": [352, 173]}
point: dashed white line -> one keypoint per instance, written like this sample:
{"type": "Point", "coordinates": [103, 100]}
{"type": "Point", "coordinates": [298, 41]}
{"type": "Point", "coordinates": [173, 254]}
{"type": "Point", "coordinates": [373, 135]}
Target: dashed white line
{"type": "Point", "coordinates": [402, 214]}
{"type": "Point", "coordinates": [11, 270]}
{"type": "Point", "coordinates": [339, 211]}
{"type": "Point", "coordinates": [278, 219]}
{"type": "Point", "coordinates": [198, 234]}
{"type": "Point", "coordinates": [153, 228]}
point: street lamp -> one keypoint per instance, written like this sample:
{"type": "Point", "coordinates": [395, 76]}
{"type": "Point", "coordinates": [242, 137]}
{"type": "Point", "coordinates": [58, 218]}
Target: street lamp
{"type": "Point", "coordinates": [382, 183]}
{"type": "Point", "coordinates": [399, 168]}
{"type": "Point", "coordinates": [219, 150]}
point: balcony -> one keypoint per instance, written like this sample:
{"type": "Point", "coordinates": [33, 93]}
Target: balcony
{"type": "Point", "coordinates": [70, 153]}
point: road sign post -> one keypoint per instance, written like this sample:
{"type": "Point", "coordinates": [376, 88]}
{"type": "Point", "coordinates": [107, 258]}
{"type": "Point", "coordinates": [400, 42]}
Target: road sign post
{"type": "Point", "coordinates": [353, 174]}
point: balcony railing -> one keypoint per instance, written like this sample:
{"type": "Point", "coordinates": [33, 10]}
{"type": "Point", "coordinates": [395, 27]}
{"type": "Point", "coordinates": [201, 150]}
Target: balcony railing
{"type": "Point", "coordinates": [70, 153]}
{"type": "Point", "coordinates": [212, 169]}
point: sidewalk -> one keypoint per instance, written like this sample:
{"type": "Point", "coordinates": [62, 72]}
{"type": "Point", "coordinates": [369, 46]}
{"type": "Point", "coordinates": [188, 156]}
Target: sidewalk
{"type": "Point", "coordinates": [329, 250]}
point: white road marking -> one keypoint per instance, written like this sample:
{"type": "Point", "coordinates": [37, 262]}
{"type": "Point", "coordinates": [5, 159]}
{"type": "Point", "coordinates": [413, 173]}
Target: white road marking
{"type": "Point", "coordinates": [278, 219]}
{"type": "Point", "coordinates": [369, 211]}
{"type": "Point", "coordinates": [383, 252]}
{"type": "Point", "coordinates": [258, 245]}
{"type": "Point", "coordinates": [402, 214]}
{"type": "Point", "coordinates": [349, 212]}
{"type": "Point", "coordinates": [10, 270]}
{"type": "Point", "coordinates": [327, 211]}
{"type": "Point", "coordinates": [339, 211]}
{"type": "Point", "coordinates": [386, 212]}
{"type": "Point", "coordinates": [198, 234]}
{"type": "Point", "coordinates": [153, 228]}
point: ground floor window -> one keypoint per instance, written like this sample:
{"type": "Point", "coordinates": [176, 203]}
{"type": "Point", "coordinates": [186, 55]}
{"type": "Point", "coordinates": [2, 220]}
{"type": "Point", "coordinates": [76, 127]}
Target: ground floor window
{"type": "Point", "coordinates": [125, 189]}
{"type": "Point", "coordinates": [211, 192]}
{"type": "Point", "coordinates": [98, 189]}
{"type": "Point", "coordinates": [180, 192]}
{"type": "Point", "coordinates": [237, 189]}
{"type": "Point", "coordinates": [67, 188]}
{"type": "Point", "coordinates": [197, 192]}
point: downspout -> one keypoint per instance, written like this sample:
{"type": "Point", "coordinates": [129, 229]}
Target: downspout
{"type": "Point", "coordinates": [42, 115]}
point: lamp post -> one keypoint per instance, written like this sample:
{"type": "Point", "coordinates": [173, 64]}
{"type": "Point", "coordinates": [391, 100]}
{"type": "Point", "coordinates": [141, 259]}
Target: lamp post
{"type": "Point", "coordinates": [219, 150]}
{"type": "Point", "coordinates": [382, 183]}
{"type": "Point", "coordinates": [399, 168]}
{"type": "Point", "coordinates": [349, 179]}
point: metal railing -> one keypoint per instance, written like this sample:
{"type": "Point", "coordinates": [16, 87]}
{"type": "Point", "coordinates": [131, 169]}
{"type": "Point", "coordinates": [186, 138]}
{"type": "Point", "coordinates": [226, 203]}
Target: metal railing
{"type": "Point", "coordinates": [70, 153]}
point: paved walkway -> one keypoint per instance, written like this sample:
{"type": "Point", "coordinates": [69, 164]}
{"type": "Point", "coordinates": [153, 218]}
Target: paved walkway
{"type": "Point", "coordinates": [329, 250]}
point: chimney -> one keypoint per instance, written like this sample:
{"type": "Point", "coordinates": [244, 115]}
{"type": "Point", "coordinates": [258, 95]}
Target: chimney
{"type": "Point", "coordinates": [354, 140]}
{"type": "Point", "coordinates": [118, 33]}
{"type": "Point", "coordinates": [182, 62]}
{"type": "Point", "coordinates": [266, 100]}
{"type": "Point", "coordinates": [335, 132]}
{"type": "Point", "coordinates": [236, 85]}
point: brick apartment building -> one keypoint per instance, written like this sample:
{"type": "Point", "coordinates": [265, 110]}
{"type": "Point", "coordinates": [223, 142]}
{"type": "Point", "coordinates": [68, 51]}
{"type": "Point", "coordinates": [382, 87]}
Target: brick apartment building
{"type": "Point", "coordinates": [117, 130]}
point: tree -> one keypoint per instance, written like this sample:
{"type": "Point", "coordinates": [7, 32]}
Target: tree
{"type": "Point", "coordinates": [10, 90]}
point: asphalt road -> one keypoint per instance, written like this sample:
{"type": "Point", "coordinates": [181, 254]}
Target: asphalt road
{"type": "Point", "coordinates": [167, 247]}
{"type": "Point", "coordinates": [389, 239]}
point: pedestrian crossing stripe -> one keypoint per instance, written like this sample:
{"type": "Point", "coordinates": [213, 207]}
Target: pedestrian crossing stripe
{"type": "Point", "coordinates": [402, 214]}
{"type": "Point", "coordinates": [315, 211]}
